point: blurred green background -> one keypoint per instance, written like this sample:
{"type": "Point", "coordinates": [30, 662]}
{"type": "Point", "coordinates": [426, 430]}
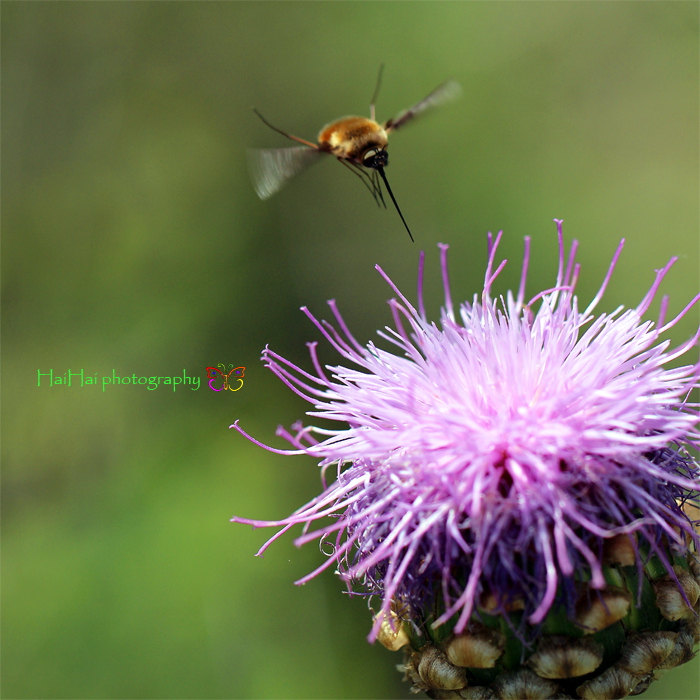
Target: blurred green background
{"type": "Point", "coordinates": [133, 241]}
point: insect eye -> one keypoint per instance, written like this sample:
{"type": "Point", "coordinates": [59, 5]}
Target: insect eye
{"type": "Point", "coordinates": [375, 158]}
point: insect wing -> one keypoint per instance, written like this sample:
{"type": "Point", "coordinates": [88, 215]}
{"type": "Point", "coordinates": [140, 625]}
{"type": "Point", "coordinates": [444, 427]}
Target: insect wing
{"type": "Point", "coordinates": [237, 373]}
{"type": "Point", "coordinates": [270, 168]}
{"type": "Point", "coordinates": [214, 375]}
{"type": "Point", "coordinates": [446, 92]}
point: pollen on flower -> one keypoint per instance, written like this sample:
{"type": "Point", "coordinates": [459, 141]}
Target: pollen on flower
{"type": "Point", "coordinates": [493, 456]}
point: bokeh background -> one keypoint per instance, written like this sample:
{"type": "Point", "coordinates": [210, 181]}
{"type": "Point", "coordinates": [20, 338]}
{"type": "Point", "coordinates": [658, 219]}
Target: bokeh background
{"type": "Point", "coordinates": [133, 241]}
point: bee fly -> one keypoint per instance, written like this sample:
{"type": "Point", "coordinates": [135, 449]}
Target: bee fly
{"type": "Point", "coordinates": [357, 142]}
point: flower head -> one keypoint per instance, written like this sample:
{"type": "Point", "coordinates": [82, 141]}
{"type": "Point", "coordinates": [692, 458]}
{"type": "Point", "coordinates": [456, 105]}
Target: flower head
{"type": "Point", "coordinates": [495, 457]}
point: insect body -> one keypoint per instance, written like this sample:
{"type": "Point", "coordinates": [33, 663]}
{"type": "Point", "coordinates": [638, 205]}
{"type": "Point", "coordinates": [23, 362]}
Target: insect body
{"type": "Point", "coordinates": [357, 142]}
{"type": "Point", "coordinates": [352, 138]}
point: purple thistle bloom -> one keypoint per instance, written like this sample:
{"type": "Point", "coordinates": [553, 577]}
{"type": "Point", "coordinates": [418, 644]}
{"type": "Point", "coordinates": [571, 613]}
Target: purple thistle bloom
{"type": "Point", "coordinates": [497, 453]}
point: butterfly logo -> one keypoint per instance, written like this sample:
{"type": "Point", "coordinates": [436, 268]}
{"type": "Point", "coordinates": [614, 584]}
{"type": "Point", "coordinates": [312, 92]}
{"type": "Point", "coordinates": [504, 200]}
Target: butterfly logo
{"type": "Point", "coordinates": [216, 375]}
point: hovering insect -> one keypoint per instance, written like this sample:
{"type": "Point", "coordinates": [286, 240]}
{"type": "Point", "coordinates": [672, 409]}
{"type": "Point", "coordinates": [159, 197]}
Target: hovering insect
{"type": "Point", "coordinates": [357, 142]}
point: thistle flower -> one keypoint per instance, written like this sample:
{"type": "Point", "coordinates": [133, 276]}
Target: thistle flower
{"type": "Point", "coordinates": [515, 486]}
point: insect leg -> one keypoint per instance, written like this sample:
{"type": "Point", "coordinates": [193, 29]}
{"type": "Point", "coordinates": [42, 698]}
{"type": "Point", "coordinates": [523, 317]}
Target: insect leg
{"type": "Point", "coordinates": [367, 181]}
{"type": "Point", "coordinates": [378, 186]}
{"type": "Point", "coordinates": [284, 133]}
{"type": "Point", "coordinates": [376, 92]}
{"type": "Point", "coordinates": [375, 186]}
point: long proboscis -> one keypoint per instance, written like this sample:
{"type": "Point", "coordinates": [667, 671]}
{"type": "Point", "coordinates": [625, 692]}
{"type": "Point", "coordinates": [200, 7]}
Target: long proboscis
{"type": "Point", "coordinates": [393, 199]}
